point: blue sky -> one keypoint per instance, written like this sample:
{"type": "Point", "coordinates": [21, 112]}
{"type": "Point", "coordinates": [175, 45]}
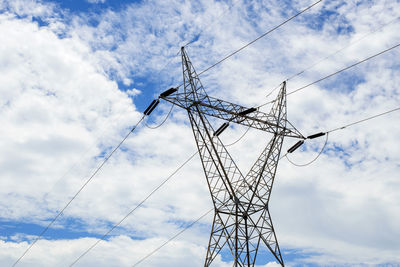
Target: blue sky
{"type": "Point", "coordinates": [76, 75]}
{"type": "Point", "coordinates": [93, 6]}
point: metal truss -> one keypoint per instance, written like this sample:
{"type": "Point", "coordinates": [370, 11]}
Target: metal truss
{"type": "Point", "coordinates": [242, 221]}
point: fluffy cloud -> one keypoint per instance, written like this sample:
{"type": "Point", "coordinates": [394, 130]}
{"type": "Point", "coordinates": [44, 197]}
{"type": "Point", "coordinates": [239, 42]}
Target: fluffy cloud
{"type": "Point", "coordinates": [62, 111]}
{"type": "Point", "coordinates": [96, 1]}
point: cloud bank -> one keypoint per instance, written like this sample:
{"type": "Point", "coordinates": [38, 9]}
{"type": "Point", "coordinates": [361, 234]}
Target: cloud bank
{"type": "Point", "coordinates": [72, 85]}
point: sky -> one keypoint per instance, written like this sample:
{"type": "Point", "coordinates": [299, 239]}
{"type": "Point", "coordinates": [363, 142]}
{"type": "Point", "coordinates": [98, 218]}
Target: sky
{"type": "Point", "coordinates": [76, 75]}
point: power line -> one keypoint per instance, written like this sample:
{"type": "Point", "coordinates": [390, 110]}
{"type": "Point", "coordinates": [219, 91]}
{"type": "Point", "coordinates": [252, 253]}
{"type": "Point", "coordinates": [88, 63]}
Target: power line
{"type": "Point", "coordinates": [75, 164]}
{"type": "Point", "coordinates": [258, 38]}
{"type": "Point", "coordinates": [106, 159]}
{"type": "Point", "coordinates": [351, 66]}
{"type": "Point", "coordinates": [310, 162]}
{"type": "Point", "coordinates": [82, 155]}
{"type": "Point", "coordinates": [172, 238]}
{"type": "Point", "coordinates": [341, 49]}
{"type": "Point", "coordinates": [185, 45]}
{"type": "Point", "coordinates": [332, 54]}
{"type": "Point", "coordinates": [247, 130]}
{"type": "Point", "coordinates": [184, 229]}
{"type": "Point", "coordinates": [162, 122]}
{"type": "Point", "coordinates": [193, 39]}
{"type": "Point", "coordinates": [299, 165]}
{"type": "Point", "coordinates": [337, 129]}
{"type": "Point", "coordinates": [255, 40]}
{"type": "Point", "coordinates": [77, 193]}
{"type": "Point", "coordinates": [366, 119]}
{"type": "Point", "coordinates": [335, 73]}
{"type": "Point", "coordinates": [84, 185]}
{"type": "Point", "coordinates": [212, 66]}
{"type": "Point", "coordinates": [175, 55]}
{"type": "Point", "coordinates": [179, 233]}
{"type": "Point", "coordinates": [135, 208]}
{"type": "Point", "coordinates": [146, 198]}
{"type": "Point", "coordinates": [240, 138]}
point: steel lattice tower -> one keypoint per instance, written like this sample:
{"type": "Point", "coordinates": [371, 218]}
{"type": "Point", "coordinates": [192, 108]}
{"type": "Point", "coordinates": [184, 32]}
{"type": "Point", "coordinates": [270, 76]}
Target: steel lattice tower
{"type": "Point", "coordinates": [242, 220]}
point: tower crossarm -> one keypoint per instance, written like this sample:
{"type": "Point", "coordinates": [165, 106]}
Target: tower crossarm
{"type": "Point", "coordinates": [234, 113]}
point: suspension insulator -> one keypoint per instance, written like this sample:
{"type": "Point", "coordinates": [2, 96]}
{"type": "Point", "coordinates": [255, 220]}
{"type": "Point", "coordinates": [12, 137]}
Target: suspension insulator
{"type": "Point", "coordinates": [151, 107]}
{"type": "Point", "coordinates": [316, 135]}
{"type": "Point", "coordinates": [168, 92]}
{"type": "Point", "coordinates": [221, 129]}
{"type": "Point", "coordinates": [247, 111]}
{"type": "Point", "coordinates": [296, 146]}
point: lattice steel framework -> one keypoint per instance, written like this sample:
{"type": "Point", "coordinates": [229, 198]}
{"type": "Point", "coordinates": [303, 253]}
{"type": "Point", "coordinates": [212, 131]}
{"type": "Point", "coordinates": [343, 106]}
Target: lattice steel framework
{"type": "Point", "coordinates": [242, 220]}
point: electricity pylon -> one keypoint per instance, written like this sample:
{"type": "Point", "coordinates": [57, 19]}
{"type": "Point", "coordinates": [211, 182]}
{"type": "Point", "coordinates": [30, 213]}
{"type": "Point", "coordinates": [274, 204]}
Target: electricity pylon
{"type": "Point", "coordinates": [242, 220]}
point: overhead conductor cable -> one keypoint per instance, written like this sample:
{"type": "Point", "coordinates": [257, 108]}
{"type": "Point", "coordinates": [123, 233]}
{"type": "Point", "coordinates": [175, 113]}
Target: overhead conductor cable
{"type": "Point", "coordinates": [148, 111]}
{"type": "Point", "coordinates": [335, 73]}
{"type": "Point", "coordinates": [336, 129]}
{"type": "Point", "coordinates": [313, 136]}
{"type": "Point", "coordinates": [344, 69]}
{"type": "Point", "coordinates": [314, 159]}
{"type": "Point", "coordinates": [145, 199]}
{"type": "Point", "coordinates": [300, 142]}
{"type": "Point", "coordinates": [258, 38]}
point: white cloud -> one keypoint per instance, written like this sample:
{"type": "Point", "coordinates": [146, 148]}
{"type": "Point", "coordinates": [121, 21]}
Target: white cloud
{"type": "Point", "coordinates": [49, 106]}
{"type": "Point", "coordinates": [59, 100]}
{"type": "Point", "coordinates": [118, 251]}
{"type": "Point", "coordinates": [133, 92]}
{"type": "Point", "coordinates": [96, 1]}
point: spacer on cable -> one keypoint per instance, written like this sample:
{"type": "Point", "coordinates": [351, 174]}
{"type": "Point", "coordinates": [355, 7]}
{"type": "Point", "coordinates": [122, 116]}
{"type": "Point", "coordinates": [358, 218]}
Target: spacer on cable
{"type": "Point", "coordinates": [221, 128]}
{"type": "Point", "coordinates": [151, 107]}
{"type": "Point", "coordinates": [316, 135]}
{"type": "Point", "coordinates": [296, 146]}
{"type": "Point", "coordinates": [168, 92]}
